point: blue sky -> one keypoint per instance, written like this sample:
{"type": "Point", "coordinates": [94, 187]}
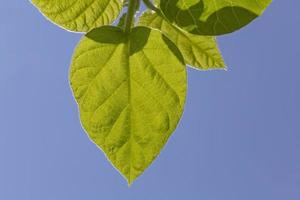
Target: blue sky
{"type": "Point", "coordinates": [239, 138]}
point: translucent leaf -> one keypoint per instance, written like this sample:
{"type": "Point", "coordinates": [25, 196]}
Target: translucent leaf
{"type": "Point", "coordinates": [80, 15]}
{"type": "Point", "coordinates": [130, 91]}
{"type": "Point", "coordinates": [212, 17]}
{"type": "Point", "coordinates": [198, 51]}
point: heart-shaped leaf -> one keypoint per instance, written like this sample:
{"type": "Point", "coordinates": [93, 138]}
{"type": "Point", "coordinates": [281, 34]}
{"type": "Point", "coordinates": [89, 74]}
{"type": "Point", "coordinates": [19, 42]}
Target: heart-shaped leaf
{"type": "Point", "coordinates": [130, 90]}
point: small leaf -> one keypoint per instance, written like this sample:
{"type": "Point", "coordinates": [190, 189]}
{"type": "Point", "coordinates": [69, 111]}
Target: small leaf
{"type": "Point", "coordinates": [198, 51]}
{"type": "Point", "coordinates": [80, 15]}
{"type": "Point", "coordinates": [212, 17]}
{"type": "Point", "coordinates": [130, 91]}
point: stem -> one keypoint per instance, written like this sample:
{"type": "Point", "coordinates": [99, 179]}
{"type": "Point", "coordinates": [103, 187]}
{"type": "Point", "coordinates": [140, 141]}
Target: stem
{"type": "Point", "coordinates": [130, 15]}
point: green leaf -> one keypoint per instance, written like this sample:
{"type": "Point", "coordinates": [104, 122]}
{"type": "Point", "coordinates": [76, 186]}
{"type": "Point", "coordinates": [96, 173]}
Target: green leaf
{"type": "Point", "coordinates": [212, 17]}
{"type": "Point", "coordinates": [80, 15]}
{"type": "Point", "coordinates": [130, 91]}
{"type": "Point", "coordinates": [198, 51]}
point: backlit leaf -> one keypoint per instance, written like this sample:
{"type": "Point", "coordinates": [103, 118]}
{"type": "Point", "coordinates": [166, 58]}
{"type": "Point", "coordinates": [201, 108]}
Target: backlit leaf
{"type": "Point", "coordinates": [80, 15]}
{"type": "Point", "coordinates": [212, 17]}
{"type": "Point", "coordinates": [130, 90]}
{"type": "Point", "coordinates": [198, 51]}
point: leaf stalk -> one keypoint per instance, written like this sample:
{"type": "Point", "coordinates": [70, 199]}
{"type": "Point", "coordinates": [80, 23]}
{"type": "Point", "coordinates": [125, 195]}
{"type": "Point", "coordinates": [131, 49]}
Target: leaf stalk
{"type": "Point", "coordinates": [130, 15]}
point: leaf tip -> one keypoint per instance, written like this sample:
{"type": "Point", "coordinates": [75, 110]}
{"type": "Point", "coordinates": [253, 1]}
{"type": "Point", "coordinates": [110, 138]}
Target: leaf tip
{"type": "Point", "coordinates": [130, 180]}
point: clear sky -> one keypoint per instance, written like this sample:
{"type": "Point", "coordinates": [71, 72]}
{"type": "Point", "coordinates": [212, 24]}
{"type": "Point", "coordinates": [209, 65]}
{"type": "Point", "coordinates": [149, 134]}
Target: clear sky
{"type": "Point", "coordinates": [239, 138]}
